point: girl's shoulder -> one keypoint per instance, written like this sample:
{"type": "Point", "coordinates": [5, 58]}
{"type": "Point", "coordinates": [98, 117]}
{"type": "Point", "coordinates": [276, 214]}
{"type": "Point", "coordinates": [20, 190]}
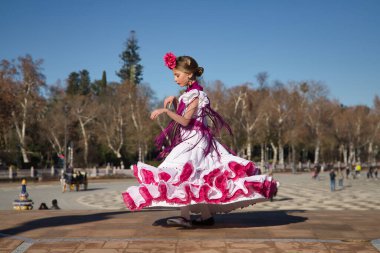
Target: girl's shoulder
{"type": "Point", "coordinates": [189, 96]}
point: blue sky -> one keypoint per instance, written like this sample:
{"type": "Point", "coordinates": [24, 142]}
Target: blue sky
{"type": "Point", "coordinates": [336, 42]}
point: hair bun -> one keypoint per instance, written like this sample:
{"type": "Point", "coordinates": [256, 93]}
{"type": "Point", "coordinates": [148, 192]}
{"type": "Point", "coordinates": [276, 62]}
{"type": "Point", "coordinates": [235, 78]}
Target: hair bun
{"type": "Point", "coordinates": [199, 71]}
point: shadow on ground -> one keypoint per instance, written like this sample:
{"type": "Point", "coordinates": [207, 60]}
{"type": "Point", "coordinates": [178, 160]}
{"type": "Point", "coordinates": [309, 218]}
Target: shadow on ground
{"type": "Point", "coordinates": [231, 220]}
{"type": "Point", "coordinates": [248, 219]}
{"type": "Point", "coordinates": [58, 221]}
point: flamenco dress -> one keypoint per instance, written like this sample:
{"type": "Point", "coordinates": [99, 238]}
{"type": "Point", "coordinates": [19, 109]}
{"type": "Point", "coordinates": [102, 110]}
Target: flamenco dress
{"type": "Point", "coordinates": [197, 169]}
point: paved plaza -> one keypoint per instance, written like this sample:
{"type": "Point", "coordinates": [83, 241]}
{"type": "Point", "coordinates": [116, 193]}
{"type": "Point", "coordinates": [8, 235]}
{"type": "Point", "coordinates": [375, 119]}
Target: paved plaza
{"type": "Point", "coordinates": [305, 216]}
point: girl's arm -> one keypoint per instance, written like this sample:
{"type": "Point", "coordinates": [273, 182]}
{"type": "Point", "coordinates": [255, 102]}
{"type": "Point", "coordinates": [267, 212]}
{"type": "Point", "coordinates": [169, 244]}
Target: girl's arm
{"type": "Point", "coordinates": [183, 120]}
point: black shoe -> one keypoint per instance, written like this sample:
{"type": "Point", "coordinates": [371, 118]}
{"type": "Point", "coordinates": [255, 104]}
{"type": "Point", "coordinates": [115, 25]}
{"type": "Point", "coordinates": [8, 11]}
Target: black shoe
{"type": "Point", "coordinates": [180, 222]}
{"type": "Point", "coordinates": [208, 222]}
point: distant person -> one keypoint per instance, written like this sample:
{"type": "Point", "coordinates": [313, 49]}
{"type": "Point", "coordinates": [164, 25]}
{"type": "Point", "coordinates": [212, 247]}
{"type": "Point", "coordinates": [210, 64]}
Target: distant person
{"type": "Point", "coordinates": [43, 206]}
{"type": "Point", "coordinates": [358, 169]}
{"type": "Point", "coordinates": [347, 171]}
{"type": "Point", "coordinates": [370, 172]}
{"type": "Point", "coordinates": [332, 180]}
{"type": "Point", "coordinates": [317, 170]}
{"type": "Point", "coordinates": [54, 205]}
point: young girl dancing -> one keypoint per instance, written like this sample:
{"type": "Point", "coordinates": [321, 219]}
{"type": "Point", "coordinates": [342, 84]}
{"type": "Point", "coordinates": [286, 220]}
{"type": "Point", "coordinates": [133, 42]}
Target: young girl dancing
{"type": "Point", "coordinates": [199, 174]}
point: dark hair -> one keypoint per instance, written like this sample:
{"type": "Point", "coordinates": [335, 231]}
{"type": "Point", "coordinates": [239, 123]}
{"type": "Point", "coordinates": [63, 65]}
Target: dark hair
{"type": "Point", "coordinates": [188, 65]}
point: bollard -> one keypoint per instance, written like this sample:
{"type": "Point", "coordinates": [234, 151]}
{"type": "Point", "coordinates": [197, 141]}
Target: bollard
{"type": "Point", "coordinates": [23, 202]}
{"type": "Point", "coordinates": [94, 172]}
{"type": "Point", "coordinates": [10, 172]}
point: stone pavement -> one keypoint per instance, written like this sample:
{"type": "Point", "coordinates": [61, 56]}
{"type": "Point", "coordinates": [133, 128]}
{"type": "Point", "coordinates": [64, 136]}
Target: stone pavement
{"type": "Point", "coordinates": [304, 217]}
{"type": "Point", "coordinates": [245, 231]}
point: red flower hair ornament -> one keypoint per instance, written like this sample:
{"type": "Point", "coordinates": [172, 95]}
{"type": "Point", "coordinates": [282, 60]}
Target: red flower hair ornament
{"type": "Point", "coordinates": [170, 60]}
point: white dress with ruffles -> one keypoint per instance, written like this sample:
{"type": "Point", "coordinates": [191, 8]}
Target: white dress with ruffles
{"type": "Point", "coordinates": [189, 177]}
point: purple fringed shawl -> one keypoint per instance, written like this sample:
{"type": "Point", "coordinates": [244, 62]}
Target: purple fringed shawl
{"type": "Point", "coordinates": [171, 135]}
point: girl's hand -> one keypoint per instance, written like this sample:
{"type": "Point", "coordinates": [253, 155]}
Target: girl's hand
{"type": "Point", "coordinates": [157, 112]}
{"type": "Point", "coordinates": [169, 101]}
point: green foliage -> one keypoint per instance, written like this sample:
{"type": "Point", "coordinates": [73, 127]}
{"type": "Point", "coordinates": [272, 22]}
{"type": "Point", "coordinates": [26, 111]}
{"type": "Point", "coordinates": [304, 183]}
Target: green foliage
{"type": "Point", "coordinates": [131, 69]}
{"type": "Point", "coordinates": [99, 86]}
{"type": "Point", "coordinates": [78, 83]}
{"type": "Point", "coordinates": [72, 84]}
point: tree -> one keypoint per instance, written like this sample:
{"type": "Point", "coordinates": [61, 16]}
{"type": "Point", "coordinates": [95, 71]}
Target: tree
{"type": "Point", "coordinates": [83, 109]}
{"type": "Point", "coordinates": [100, 86]}
{"type": "Point", "coordinates": [84, 83]}
{"type": "Point", "coordinates": [262, 78]}
{"type": "Point", "coordinates": [113, 119]}
{"type": "Point", "coordinates": [131, 70]}
{"type": "Point", "coordinates": [78, 83]}
{"type": "Point", "coordinates": [280, 110]}
{"type": "Point", "coordinates": [319, 114]}
{"type": "Point", "coordinates": [27, 97]}
{"type": "Point", "coordinates": [73, 84]}
{"type": "Point", "coordinates": [7, 102]}
{"type": "Point", "coordinates": [246, 113]}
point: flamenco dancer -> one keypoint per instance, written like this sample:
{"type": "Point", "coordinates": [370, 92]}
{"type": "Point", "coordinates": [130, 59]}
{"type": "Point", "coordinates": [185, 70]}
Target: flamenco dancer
{"type": "Point", "coordinates": [198, 174]}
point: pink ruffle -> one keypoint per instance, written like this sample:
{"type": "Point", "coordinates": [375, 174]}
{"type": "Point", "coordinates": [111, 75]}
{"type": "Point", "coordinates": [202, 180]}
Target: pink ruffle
{"type": "Point", "coordinates": [164, 176]}
{"type": "Point", "coordinates": [136, 172]}
{"type": "Point", "coordinates": [129, 201]}
{"type": "Point", "coordinates": [241, 170]}
{"type": "Point", "coordinates": [185, 174]}
{"type": "Point", "coordinates": [216, 179]}
{"type": "Point", "coordinates": [147, 176]}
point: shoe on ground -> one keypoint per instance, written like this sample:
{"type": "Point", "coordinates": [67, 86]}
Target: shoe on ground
{"type": "Point", "coordinates": [180, 221]}
{"type": "Point", "coordinates": [207, 222]}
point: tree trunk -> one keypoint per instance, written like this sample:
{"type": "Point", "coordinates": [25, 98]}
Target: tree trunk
{"type": "Point", "coordinates": [262, 152]}
{"type": "Point", "coordinates": [140, 154]}
{"type": "Point", "coordinates": [345, 155]}
{"type": "Point", "coordinates": [370, 152]}
{"type": "Point", "coordinates": [352, 156]}
{"type": "Point", "coordinates": [294, 170]}
{"type": "Point", "coordinates": [21, 132]}
{"type": "Point", "coordinates": [274, 162]}
{"type": "Point", "coordinates": [85, 142]}
{"type": "Point", "coordinates": [249, 148]}
{"type": "Point", "coordinates": [316, 152]}
{"type": "Point", "coordinates": [280, 153]}
{"type": "Point", "coordinates": [341, 152]}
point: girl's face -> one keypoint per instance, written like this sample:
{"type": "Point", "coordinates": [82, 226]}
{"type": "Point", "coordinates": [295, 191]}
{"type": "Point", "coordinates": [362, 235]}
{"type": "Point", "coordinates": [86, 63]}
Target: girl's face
{"type": "Point", "coordinates": [181, 78]}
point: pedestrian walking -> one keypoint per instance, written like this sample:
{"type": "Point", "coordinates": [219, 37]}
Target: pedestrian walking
{"type": "Point", "coordinates": [317, 170]}
{"type": "Point", "coordinates": [358, 169]}
{"type": "Point", "coordinates": [347, 171]}
{"type": "Point", "coordinates": [332, 180]}
{"type": "Point", "coordinates": [370, 172]}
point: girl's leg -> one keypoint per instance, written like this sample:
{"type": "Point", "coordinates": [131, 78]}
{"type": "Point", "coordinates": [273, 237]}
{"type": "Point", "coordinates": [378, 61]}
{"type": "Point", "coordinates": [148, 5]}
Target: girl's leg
{"type": "Point", "coordinates": [206, 218]}
{"type": "Point", "coordinates": [205, 212]}
{"type": "Point", "coordinates": [185, 212]}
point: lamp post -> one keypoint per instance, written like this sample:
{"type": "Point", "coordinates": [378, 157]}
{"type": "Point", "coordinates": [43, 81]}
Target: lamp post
{"type": "Point", "coordinates": [66, 109]}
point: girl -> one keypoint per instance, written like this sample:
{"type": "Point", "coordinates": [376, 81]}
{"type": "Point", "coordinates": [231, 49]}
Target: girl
{"type": "Point", "coordinates": [199, 174]}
